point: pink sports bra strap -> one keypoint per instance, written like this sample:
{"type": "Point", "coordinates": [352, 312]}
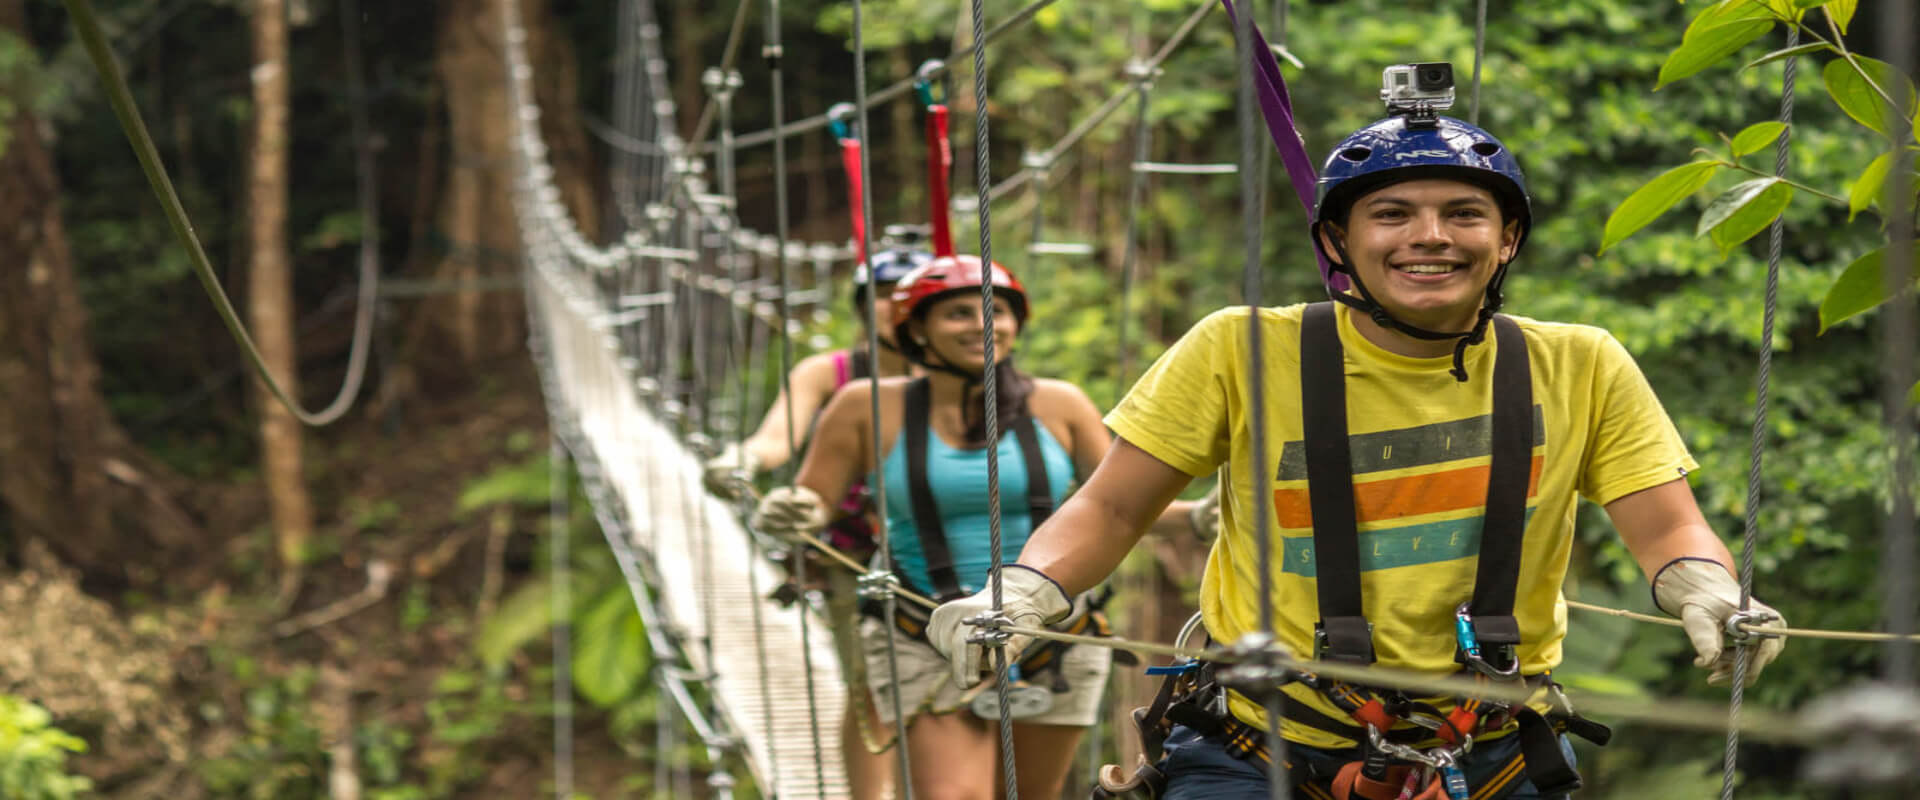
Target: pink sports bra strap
{"type": "Point", "coordinates": [842, 371]}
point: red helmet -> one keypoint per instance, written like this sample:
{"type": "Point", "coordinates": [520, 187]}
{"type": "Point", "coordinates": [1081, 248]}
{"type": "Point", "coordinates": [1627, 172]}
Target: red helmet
{"type": "Point", "coordinates": [918, 290]}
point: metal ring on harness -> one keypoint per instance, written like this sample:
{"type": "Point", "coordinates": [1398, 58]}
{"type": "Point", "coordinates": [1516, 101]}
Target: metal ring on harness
{"type": "Point", "coordinates": [1024, 700]}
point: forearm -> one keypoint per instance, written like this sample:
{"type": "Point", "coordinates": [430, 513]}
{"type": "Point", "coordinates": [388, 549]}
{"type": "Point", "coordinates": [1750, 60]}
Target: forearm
{"type": "Point", "coordinates": [769, 448]}
{"type": "Point", "coordinates": [1687, 541]}
{"type": "Point", "coordinates": [1081, 544]}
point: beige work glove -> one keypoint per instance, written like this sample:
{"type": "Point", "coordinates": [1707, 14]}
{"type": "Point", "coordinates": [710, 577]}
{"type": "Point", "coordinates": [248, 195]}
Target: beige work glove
{"type": "Point", "coordinates": [1205, 515]}
{"type": "Point", "coordinates": [1028, 598]}
{"type": "Point", "coordinates": [730, 474]}
{"type": "Point", "coordinates": [1703, 595]}
{"type": "Point", "coordinates": [788, 511]}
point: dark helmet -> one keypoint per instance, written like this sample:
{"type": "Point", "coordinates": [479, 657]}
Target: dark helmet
{"type": "Point", "coordinates": [944, 277]}
{"type": "Point", "coordinates": [1391, 151]}
{"type": "Point", "coordinates": [889, 266]}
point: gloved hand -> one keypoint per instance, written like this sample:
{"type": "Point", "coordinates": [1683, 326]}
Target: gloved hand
{"type": "Point", "coordinates": [788, 511]}
{"type": "Point", "coordinates": [1028, 598]}
{"type": "Point", "coordinates": [1205, 515]}
{"type": "Point", "coordinates": [1704, 595]}
{"type": "Point", "coordinates": [729, 475]}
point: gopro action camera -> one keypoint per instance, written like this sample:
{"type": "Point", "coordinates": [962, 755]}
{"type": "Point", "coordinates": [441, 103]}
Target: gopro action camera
{"type": "Point", "coordinates": [1418, 90]}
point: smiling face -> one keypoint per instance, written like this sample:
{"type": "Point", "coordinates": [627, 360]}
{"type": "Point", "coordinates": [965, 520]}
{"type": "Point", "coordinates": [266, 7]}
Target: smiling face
{"type": "Point", "coordinates": [950, 330]}
{"type": "Point", "coordinates": [1427, 248]}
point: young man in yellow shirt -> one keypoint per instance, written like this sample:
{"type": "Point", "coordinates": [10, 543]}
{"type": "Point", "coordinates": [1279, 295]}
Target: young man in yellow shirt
{"type": "Point", "coordinates": [1441, 449]}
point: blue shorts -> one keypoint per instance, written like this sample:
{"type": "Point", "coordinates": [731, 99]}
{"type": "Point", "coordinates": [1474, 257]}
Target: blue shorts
{"type": "Point", "coordinates": [1198, 767]}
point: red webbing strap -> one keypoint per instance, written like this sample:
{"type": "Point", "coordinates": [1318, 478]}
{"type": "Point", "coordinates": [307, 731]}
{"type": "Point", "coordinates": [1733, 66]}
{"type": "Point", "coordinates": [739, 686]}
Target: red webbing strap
{"type": "Point", "coordinates": [939, 164]}
{"type": "Point", "coordinates": [850, 161]}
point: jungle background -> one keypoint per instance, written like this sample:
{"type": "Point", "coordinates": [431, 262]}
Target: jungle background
{"type": "Point", "coordinates": [201, 599]}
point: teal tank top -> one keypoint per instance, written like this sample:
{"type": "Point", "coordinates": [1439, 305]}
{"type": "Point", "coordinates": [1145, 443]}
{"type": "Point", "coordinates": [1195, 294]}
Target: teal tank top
{"type": "Point", "coordinates": [958, 480]}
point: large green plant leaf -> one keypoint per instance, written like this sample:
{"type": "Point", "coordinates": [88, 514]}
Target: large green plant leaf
{"type": "Point", "coordinates": [519, 619]}
{"type": "Point", "coordinates": [1855, 96]}
{"type": "Point", "coordinates": [1866, 188]}
{"type": "Point", "coordinates": [610, 650]}
{"type": "Point", "coordinates": [1757, 136]}
{"type": "Point", "coordinates": [1862, 287]}
{"type": "Point", "coordinates": [1647, 203]}
{"type": "Point", "coordinates": [1742, 211]}
{"type": "Point", "coordinates": [1718, 32]}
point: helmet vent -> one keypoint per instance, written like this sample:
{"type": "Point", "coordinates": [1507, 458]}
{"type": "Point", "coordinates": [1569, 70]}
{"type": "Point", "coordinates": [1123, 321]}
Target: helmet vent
{"type": "Point", "coordinates": [1356, 154]}
{"type": "Point", "coordinates": [1486, 149]}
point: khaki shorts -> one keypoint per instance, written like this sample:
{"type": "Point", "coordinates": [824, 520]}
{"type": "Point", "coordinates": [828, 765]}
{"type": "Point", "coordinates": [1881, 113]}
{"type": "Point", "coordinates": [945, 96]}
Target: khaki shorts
{"type": "Point", "coordinates": [926, 680]}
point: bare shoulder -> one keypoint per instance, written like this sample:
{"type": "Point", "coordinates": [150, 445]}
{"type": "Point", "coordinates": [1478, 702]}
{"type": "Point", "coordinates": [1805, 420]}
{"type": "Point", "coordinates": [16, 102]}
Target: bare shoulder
{"type": "Point", "coordinates": [1058, 396]}
{"type": "Point", "coordinates": [857, 395]}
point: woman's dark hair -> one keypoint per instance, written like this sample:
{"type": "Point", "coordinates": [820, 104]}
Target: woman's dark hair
{"type": "Point", "coordinates": [1010, 392]}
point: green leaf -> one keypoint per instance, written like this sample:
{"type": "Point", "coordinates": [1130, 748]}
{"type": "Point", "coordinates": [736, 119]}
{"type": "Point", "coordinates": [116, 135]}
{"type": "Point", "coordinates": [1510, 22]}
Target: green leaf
{"type": "Point", "coordinates": [610, 650]}
{"type": "Point", "coordinates": [1705, 45]}
{"type": "Point", "coordinates": [520, 618]}
{"type": "Point", "coordinates": [1841, 12]}
{"type": "Point", "coordinates": [1862, 287]}
{"type": "Point", "coordinates": [1866, 188]}
{"type": "Point", "coordinates": [1913, 396]}
{"type": "Point", "coordinates": [1752, 215]}
{"type": "Point", "coordinates": [1650, 201]}
{"type": "Point", "coordinates": [1757, 136]}
{"type": "Point", "coordinates": [1856, 97]}
{"type": "Point", "coordinates": [1787, 52]}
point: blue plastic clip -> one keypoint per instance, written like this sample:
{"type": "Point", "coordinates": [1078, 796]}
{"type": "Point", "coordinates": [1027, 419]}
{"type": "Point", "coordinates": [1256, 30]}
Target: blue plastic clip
{"type": "Point", "coordinates": [1174, 669]}
{"type": "Point", "coordinates": [1455, 781]}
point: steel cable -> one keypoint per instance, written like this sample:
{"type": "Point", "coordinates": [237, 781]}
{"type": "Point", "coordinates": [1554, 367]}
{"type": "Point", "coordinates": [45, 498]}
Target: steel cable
{"type": "Point", "coordinates": [1742, 650]}
{"type": "Point", "coordinates": [889, 600]}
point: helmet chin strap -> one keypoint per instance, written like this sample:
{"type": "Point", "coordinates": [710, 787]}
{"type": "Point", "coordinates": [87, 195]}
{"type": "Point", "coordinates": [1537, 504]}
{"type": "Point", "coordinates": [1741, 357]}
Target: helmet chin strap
{"type": "Point", "coordinates": [1366, 304]}
{"type": "Point", "coordinates": [968, 379]}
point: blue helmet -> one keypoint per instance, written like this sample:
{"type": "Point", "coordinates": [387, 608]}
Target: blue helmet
{"type": "Point", "coordinates": [889, 266]}
{"type": "Point", "coordinates": [1391, 151]}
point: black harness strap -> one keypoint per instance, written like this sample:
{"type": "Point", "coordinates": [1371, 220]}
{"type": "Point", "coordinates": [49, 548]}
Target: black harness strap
{"type": "Point", "coordinates": [1343, 633]}
{"type": "Point", "coordinates": [859, 365]}
{"type": "Point", "coordinates": [926, 514]}
{"type": "Point", "coordinates": [1502, 533]}
{"type": "Point", "coordinates": [1039, 488]}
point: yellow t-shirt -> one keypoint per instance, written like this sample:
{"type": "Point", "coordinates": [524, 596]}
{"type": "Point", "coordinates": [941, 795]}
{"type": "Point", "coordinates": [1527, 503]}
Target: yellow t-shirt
{"type": "Point", "coordinates": [1420, 448]}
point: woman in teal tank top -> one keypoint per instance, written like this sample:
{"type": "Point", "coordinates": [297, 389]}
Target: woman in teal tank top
{"type": "Point", "coordinates": [931, 433]}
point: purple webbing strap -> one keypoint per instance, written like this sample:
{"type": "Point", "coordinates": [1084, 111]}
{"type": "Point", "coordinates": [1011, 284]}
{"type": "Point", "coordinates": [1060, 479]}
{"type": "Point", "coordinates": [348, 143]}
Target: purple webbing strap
{"type": "Point", "coordinates": [1277, 108]}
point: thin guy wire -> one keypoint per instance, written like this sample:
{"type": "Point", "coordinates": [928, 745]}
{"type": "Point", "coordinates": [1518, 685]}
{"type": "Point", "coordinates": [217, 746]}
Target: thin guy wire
{"type": "Point", "coordinates": [989, 385]}
{"type": "Point", "coordinates": [1250, 207]}
{"type": "Point", "coordinates": [728, 81]}
{"type": "Point", "coordinates": [87, 25]}
{"type": "Point", "coordinates": [781, 217]}
{"type": "Point", "coordinates": [1897, 359]}
{"type": "Point", "coordinates": [1479, 54]}
{"type": "Point", "coordinates": [560, 566]}
{"type": "Point", "coordinates": [890, 602]}
{"type": "Point", "coordinates": [901, 87]}
{"type": "Point", "coordinates": [735, 33]}
{"type": "Point", "coordinates": [1137, 187]}
{"type": "Point", "coordinates": [1776, 236]}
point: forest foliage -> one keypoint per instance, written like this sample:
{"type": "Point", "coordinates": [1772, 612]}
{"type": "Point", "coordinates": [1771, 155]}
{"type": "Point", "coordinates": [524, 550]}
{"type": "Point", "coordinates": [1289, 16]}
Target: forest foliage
{"type": "Point", "coordinates": [1645, 129]}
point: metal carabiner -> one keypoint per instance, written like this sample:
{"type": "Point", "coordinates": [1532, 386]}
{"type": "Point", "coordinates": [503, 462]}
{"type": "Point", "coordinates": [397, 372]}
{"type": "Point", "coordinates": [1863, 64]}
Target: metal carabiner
{"type": "Point", "coordinates": [1470, 652]}
{"type": "Point", "coordinates": [837, 117]}
{"type": "Point", "coordinates": [923, 80]}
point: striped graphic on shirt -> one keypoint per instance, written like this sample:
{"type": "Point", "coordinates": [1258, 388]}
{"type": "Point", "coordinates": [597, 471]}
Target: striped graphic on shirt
{"type": "Point", "coordinates": [1423, 518]}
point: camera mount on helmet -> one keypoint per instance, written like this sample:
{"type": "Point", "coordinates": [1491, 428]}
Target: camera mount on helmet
{"type": "Point", "coordinates": [1418, 91]}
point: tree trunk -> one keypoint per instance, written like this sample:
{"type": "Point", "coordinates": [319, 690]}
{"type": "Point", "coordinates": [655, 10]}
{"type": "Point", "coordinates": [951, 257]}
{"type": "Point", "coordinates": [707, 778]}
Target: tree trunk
{"type": "Point", "coordinates": [908, 203]}
{"type": "Point", "coordinates": [270, 293]}
{"type": "Point", "coordinates": [476, 218]}
{"type": "Point", "coordinates": [70, 479]}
